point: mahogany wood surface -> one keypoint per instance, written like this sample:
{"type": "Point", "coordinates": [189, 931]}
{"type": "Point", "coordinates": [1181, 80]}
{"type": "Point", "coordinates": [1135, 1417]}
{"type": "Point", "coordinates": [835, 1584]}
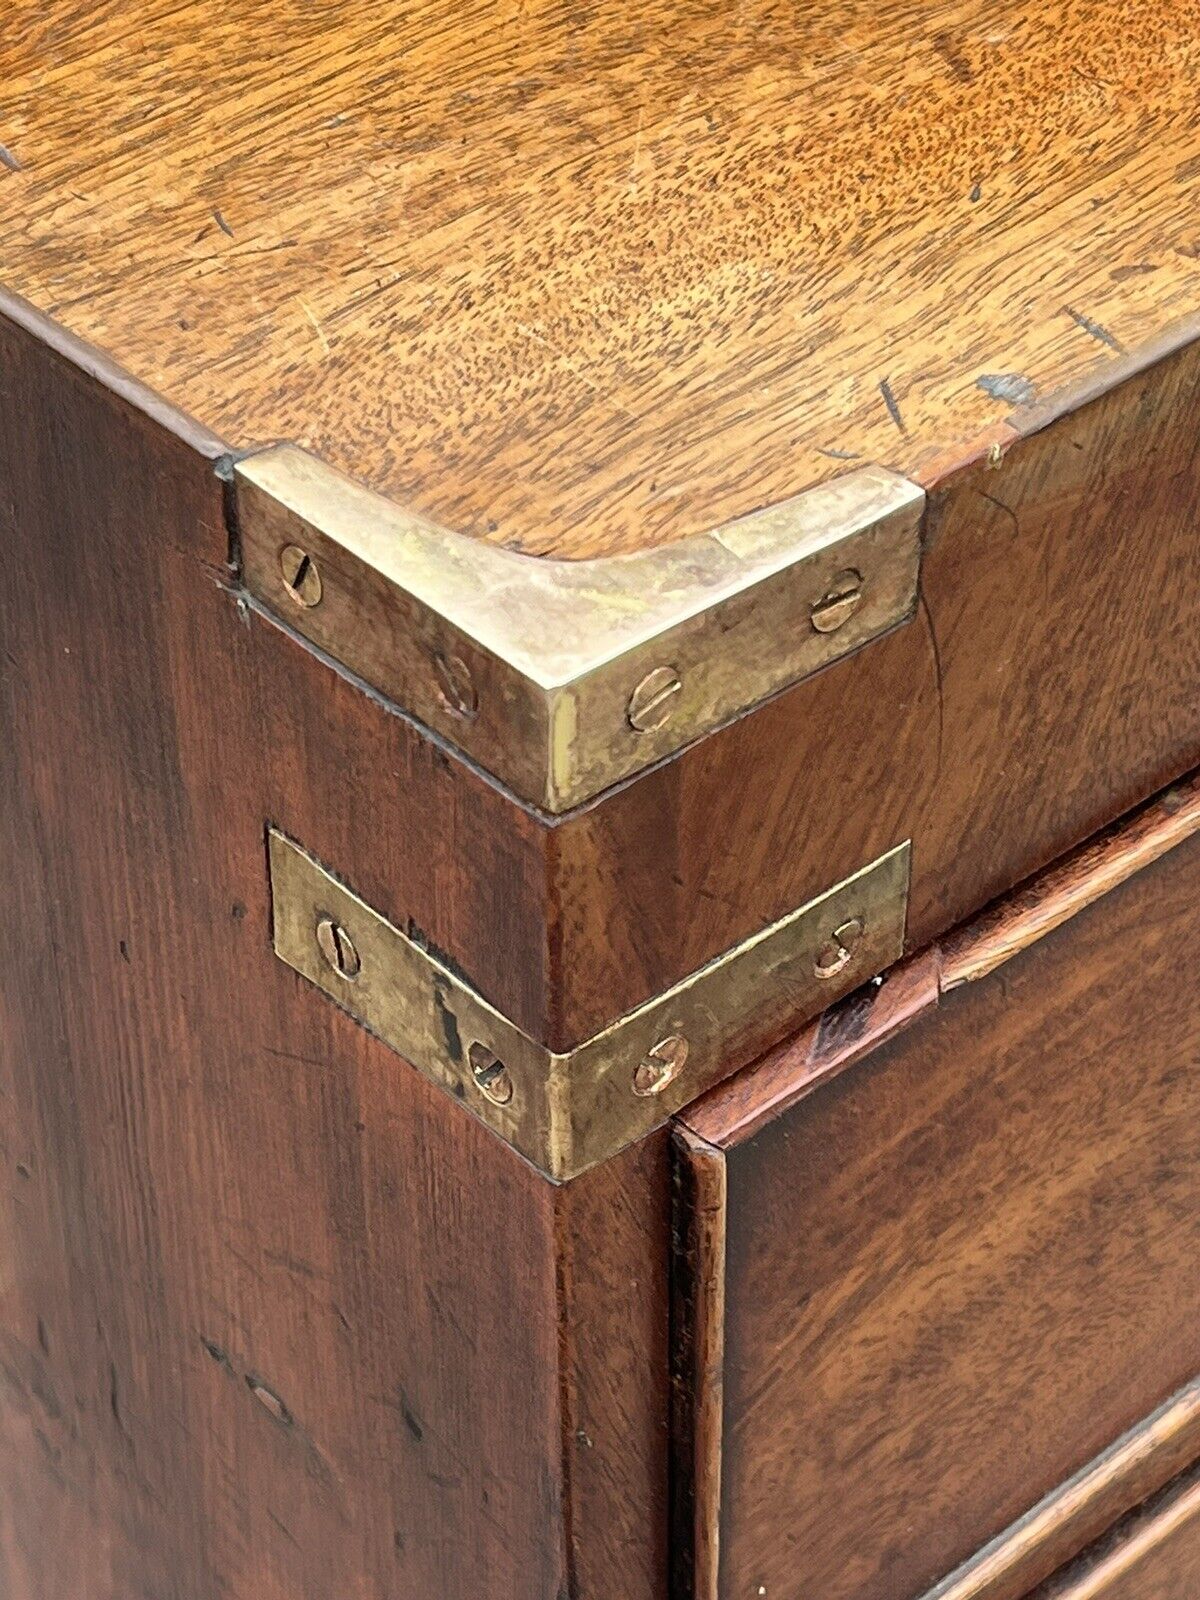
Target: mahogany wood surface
{"type": "Point", "coordinates": [278, 1320]}
{"type": "Point", "coordinates": [1154, 1554]}
{"type": "Point", "coordinates": [1084, 1507]}
{"type": "Point", "coordinates": [585, 279]}
{"type": "Point", "coordinates": [959, 1255]}
{"type": "Point", "coordinates": [1048, 684]}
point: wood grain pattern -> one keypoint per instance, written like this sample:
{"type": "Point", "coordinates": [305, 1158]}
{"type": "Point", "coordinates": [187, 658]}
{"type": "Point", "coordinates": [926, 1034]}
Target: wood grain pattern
{"type": "Point", "coordinates": [278, 1321]}
{"type": "Point", "coordinates": [1067, 888]}
{"type": "Point", "coordinates": [958, 1270]}
{"type": "Point", "coordinates": [697, 1362]}
{"type": "Point", "coordinates": [1048, 684]}
{"type": "Point", "coordinates": [1083, 1509]}
{"type": "Point", "coordinates": [1152, 1555]}
{"type": "Point", "coordinates": [746, 1103]}
{"type": "Point", "coordinates": [614, 1249]}
{"type": "Point", "coordinates": [582, 280]}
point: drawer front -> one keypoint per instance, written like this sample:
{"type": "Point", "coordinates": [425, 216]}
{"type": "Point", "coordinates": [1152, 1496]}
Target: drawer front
{"type": "Point", "coordinates": [1152, 1555]}
{"type": "Point", "coordinates": [942, 1280]}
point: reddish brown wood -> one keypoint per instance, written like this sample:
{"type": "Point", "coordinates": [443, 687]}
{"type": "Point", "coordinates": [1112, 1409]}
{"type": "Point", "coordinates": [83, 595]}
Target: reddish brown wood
{"type": "Point", "coordinates": [277, 1318]}
{"type": "Point", "coordinates": [1083, 1508]}
{"type": "Point", "coordinates": [613, 1254]}
{"type": "Point", "coordinates": [1154, 1554]}
{"type": "Point", "coordinates": [588, 336]}
{"type": "Point", "coordinates": [697, 1360]}
{"type": "Point", "coordinates": [1048, 684]}
{"type": "Point", "coordinates": [961, 1267]}
{"type": "Point", "coordinates": [943, 731]}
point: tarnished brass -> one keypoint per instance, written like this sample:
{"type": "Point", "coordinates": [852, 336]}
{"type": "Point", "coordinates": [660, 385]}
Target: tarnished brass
{"type": "Point", "coordinates": [562, 677]}
{"type": "Point", "coordinates": [839, 603]}
{"type": "Point", "coordinates": [299, 575]}
{"type": "Point", "coordinates": [566, 1111]}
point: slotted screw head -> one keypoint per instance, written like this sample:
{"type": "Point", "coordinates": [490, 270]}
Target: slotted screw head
{"type": "Point", "coordinates": [301, 577]}
{"type": "Point", "coordinates": [838, 950]}
{"type": "Point", "coordinates": [336, 945]}
{"type": "Point", "coordinates": [839, 602]}
{"type": "Point", "coordinates": [660, 1064]}
{"type": "Point", "coordinates": [654, 700]}
{"type": "Point", "coordinates": [456, 685]}
{"type": "Point", "coordinates": [491, 1076]}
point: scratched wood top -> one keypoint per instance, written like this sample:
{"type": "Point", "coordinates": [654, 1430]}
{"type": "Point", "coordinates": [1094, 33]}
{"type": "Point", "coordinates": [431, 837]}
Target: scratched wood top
{"type": "Point", "coordinates": [583, 279]}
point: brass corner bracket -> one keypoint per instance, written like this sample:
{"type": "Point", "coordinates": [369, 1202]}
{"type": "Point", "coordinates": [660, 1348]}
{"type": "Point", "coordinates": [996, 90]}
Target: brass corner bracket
{"type": "Point", "coordinates": [560, 678]}
{"type": "Point", "coordinates": [565, 1112]}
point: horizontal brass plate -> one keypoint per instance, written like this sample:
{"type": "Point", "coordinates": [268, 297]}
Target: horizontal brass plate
{"type": "Point", "coordinates": [564, 1112]}
{"type": "Point", "coordinates": [562, 677]}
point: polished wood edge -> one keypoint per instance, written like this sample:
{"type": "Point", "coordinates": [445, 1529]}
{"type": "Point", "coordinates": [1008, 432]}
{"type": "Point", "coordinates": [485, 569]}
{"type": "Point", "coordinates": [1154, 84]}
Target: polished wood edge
{"type": "Point", "coordinates": [938, 466]}
{"type": "Point", "coordinates": [612, 1231]}
{"type": "Point", "coordinates": [938, 469]}
{"type": "Point", "coordinates": [1068, 887]}
{"type": "Point", "coordinates": [1071, 1517]}
{"type": "Point", "coordinates": [738, 1108]}
{"type": "Point", "coordinates": [1091, 1577]}
{"type": "Point", "coordinates": [1167, 342]}
{"type": "Point", "coordinates": [741, 1106]}
{"type": "Point", "coordinates": [95, 364]}
{"type": "Point", "coordinates": [932, 471]}
{"type": "Point", "coordinates": [697, 1363]}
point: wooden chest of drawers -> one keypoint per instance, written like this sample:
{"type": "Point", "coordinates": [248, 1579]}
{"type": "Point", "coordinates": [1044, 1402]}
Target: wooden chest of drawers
{"type": "Point", "coordinates": [598, 676]}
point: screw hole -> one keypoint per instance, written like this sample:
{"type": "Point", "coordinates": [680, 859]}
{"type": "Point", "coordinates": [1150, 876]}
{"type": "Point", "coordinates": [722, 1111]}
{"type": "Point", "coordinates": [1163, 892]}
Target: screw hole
{"type": "Point", "coordinates": [492, 1077]}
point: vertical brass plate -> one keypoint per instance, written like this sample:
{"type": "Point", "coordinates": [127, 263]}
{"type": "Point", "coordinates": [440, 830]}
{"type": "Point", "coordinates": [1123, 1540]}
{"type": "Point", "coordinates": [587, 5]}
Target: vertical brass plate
{"type": "Point", "coordinates": [566, 1111]}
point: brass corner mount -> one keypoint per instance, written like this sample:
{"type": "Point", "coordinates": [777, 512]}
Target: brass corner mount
{"type": "Point", "coordinates": [567, 1110]}
{"type": "Point", "coordinates": [561, 678]}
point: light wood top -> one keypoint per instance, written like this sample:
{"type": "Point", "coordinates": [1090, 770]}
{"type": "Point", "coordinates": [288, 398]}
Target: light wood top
{"type": "Point", "coordinates": [582, 278]}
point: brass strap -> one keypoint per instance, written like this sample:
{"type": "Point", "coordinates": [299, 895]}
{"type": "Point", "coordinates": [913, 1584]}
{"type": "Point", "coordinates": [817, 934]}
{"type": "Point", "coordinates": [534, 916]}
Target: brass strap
{"type": "Point", "coordinates": [564, 1112]}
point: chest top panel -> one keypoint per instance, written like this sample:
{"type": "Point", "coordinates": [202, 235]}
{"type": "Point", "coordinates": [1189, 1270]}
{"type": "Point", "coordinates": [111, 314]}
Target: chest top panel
{"type": "Point", "coordinates": [584, 278]}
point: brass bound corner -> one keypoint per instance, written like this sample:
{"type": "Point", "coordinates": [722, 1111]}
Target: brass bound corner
{"type": "Point", "coordinates": [565, 1112]}
{"type": "Point", "coordinates": [560, 678]}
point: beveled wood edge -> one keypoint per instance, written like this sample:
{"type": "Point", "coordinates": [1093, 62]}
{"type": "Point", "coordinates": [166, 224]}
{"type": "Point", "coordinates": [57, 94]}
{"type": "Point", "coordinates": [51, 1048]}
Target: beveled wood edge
{"type": "Point", "coordinates": [1136, 1465]}
{"type": "Point", "coordinates": [738, 1108]}
{"type": "Point", "coordinates": [929, 472]}
{"type": "Point", "coordinates": [1072, 1516]}
{"type": "Point", "coordinates": [1145, 1529]}
{"type": "Point", "coordinates": [1175, 336]}
{"type": "Point", "coordinates": [93, 363]}
{"type": "Point", "coordinates": [1032, 1549]}
{"type": "Point", "coordinates": [698, 1358]}
{"type": "Point", "coordinates": [938, 467]}
{"type": "Point", "coordinates": [1068, 887]}
{"type": "Point", "coordinates": [742, 1105]}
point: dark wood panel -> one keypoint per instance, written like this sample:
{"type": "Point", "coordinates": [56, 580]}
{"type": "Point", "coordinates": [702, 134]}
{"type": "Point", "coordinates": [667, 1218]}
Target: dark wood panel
{"type": "Point", "coordinates": [277, 1319]}
{"type": "Point", "coordinates": [1084, 1507]}
{"type": "Point", "coordinates": [961, 1266]}
{"type": "Point", "coordinates": [1047, 685]}
{"type": "Point", "coordinates": [1154, 1554]}
{"type": "Point", "coordinates": [613, 1261]}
